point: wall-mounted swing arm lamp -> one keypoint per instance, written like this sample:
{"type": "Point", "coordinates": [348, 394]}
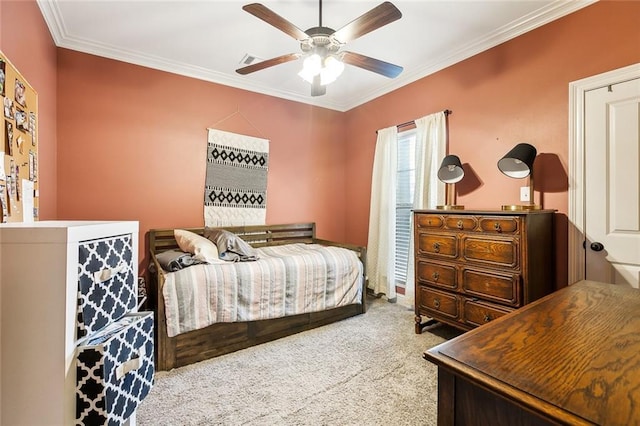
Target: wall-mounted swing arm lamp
{"type": "Point", "coordinates": [450, 172]}
{"type": "Point", "coordinates": [518, 163]}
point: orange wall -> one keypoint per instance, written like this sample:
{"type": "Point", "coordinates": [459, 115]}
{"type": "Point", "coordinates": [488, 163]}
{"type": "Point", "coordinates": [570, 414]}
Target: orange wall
{"type": "Point", "coordinates": [25, 40]}
{"type": "Point", "coordinates": [132, 145]}
{"type": "Point", "coordinates": [517, 91]}
{"type": "Point", "coordinates": [119, 141]}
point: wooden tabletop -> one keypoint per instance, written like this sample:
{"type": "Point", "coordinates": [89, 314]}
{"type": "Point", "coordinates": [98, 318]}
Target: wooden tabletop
{"type": "Point", "coordinates": [574, 355]}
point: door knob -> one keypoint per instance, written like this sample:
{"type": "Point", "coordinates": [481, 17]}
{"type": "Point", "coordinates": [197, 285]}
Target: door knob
{"type": "Point", "coordinates": [596, 246]}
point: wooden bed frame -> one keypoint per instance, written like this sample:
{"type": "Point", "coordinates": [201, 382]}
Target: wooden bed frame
{"type": "Point", "coordinates": [221, 338]}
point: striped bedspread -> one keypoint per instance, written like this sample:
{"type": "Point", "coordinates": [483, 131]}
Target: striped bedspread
{"type": "Point", "coordinates": [286, 280]}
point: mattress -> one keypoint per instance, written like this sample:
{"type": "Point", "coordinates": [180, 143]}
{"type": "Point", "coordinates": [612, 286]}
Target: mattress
{"type": "Point", "coordinates": [286, 280]}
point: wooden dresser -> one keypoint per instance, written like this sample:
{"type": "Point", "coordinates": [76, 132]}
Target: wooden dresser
{"type": "Point", "coordinates": [571, 358]}
{"type": "Point", "coordinates": [474, 266]}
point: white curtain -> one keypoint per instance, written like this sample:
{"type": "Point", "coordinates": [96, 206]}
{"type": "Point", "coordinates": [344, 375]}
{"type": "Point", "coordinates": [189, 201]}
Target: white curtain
{"type": "Point", "coordinates": [431, 138]}
{"type": "Point", "coordinates": [382, 214]}
{"type": "Point", "coordinates": [431, 146]}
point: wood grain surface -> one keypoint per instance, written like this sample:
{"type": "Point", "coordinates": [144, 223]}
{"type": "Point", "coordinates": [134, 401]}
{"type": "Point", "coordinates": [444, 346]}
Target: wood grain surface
{"type": "Point", "coordinates": [577, 350]}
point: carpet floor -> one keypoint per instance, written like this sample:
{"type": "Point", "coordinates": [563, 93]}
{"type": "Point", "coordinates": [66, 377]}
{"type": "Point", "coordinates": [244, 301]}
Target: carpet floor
{"type": "Point", "coordinates": [365, 370]}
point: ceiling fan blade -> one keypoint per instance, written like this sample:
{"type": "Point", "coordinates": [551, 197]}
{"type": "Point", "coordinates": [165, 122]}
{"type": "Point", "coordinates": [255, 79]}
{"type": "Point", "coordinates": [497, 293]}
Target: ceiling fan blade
{"type": "Point", "coordinates": [268, 63]}
{"type": "Point", "coordinates": [317, 89]}
{"type": "Point", "coordinates": [371, 64]}
{"type": "Point", "coordinates": [372, 20]}
{"type": "Point", "coordinates": [267, 15]}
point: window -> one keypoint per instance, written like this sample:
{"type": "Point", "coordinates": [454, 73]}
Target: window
{"type": "Point", "coordinates": [405, 184]}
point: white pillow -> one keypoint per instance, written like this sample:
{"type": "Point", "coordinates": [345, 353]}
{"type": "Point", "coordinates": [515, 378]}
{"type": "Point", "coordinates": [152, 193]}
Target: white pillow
{"type": "Point", "coordinates": [200, 247]}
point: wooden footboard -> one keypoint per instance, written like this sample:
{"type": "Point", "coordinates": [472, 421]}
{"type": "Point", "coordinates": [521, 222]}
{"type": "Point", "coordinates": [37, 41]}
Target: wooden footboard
{"type": "Point", "coordinates": [222, 338]}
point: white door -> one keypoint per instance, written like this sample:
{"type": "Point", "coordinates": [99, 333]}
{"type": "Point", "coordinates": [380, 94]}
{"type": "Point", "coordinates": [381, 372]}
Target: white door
{"type": "Point", "coordinates": [612, 183]}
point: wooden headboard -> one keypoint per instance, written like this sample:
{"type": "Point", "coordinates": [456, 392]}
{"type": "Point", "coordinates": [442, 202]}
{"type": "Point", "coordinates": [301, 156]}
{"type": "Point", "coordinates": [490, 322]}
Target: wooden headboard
{"type": "Point", "coordinates": [256, 235]}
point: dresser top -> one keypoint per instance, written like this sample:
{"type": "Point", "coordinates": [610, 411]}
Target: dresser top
{"type": "Point", "coordinates": [483, 212]}
{"type": "Point", "coordinates": [574, 354]}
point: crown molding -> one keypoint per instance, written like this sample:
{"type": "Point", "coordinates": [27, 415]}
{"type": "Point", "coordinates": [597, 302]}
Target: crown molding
{"type": "Point", "coordinates": [542, 16]}
{"type": "Point", "coordinates": [507, 32]}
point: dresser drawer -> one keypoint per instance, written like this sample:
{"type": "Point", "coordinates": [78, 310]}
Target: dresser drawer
{"type": "Point", "coordinates": [438, 245]}
{"type": "Point", "coordinates": [499, 225]}
{"type": "Point", "coordinates": [428, 221]}
{"type": "Point", "coordinates": [501, 288]}
{"type": "Point", "coordinates": [114, 371]}
{"type": "Point", "coordinates": [438, 302]}
{"type": "Point", "coordinates": [496, 252]}
{"type": "Point", "coordinates": [107, 288]}
{"type": "Point", "coordinates": [436, 274]}
{"type": "Point", "coordinates": [477, 313]}
{"type": "Point", "coordinates": [461, 223]}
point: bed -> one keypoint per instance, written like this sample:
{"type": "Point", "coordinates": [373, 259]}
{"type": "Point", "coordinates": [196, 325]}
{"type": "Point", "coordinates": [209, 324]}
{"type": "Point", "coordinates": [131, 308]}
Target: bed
{"type": "Point", "coordinates": [192, 340]}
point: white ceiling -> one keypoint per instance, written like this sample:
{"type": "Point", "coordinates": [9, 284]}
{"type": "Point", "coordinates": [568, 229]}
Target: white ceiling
{"type": "Point", "coordinates": [208, 39]}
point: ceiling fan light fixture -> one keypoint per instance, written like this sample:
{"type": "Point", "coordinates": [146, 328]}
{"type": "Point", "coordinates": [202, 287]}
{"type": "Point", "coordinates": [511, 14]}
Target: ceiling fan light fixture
{"type": "Point", "coordinates": [311, 67]}
{"type": "Point", "coordinates": [328, 68]}
{"type": "Point", "coordinates": [332, 69]}
{"type": "Point", "coordinates": [313, 64]}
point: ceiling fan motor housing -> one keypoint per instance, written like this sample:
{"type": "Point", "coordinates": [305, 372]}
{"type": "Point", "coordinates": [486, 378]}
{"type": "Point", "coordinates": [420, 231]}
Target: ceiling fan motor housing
{"type": "Point", "coordinates": [320, 41]}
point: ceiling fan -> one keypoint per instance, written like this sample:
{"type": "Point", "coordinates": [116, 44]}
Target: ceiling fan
{"type": "Point", "coordinates": [321, 45]}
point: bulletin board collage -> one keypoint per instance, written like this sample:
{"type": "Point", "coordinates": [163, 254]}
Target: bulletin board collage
{"type": "Point", "coordinates": [19, 150]}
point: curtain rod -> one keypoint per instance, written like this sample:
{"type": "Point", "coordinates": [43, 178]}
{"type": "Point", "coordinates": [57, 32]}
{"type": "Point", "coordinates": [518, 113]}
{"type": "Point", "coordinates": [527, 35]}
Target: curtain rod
{"type": "Point", "coordinates": [409, 123]}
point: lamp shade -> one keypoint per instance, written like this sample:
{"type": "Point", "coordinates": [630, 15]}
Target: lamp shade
{"type": "Point", "coordinates": [451, 170]}
{"type": "Point", "coordinates": [518, 163]}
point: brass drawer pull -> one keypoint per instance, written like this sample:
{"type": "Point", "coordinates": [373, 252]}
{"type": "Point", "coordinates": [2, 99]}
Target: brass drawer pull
{"type": "Point", "coordinates": [436, 303]}
{"type": "Point", "coordinates": [436, 247]}
{"type": "Point", "coordinates": [435, 276]}
{"type": "Point", "coordinates": [460, 225]}
{"type": "Point", "coordinates": [497, 227]}
{"type": "Point", "coordinates": [487, 317]}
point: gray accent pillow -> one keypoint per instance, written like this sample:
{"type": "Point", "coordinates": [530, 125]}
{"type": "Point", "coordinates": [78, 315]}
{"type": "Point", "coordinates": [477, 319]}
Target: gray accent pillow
{"type": "Point", "coordinates": [231, 247]}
